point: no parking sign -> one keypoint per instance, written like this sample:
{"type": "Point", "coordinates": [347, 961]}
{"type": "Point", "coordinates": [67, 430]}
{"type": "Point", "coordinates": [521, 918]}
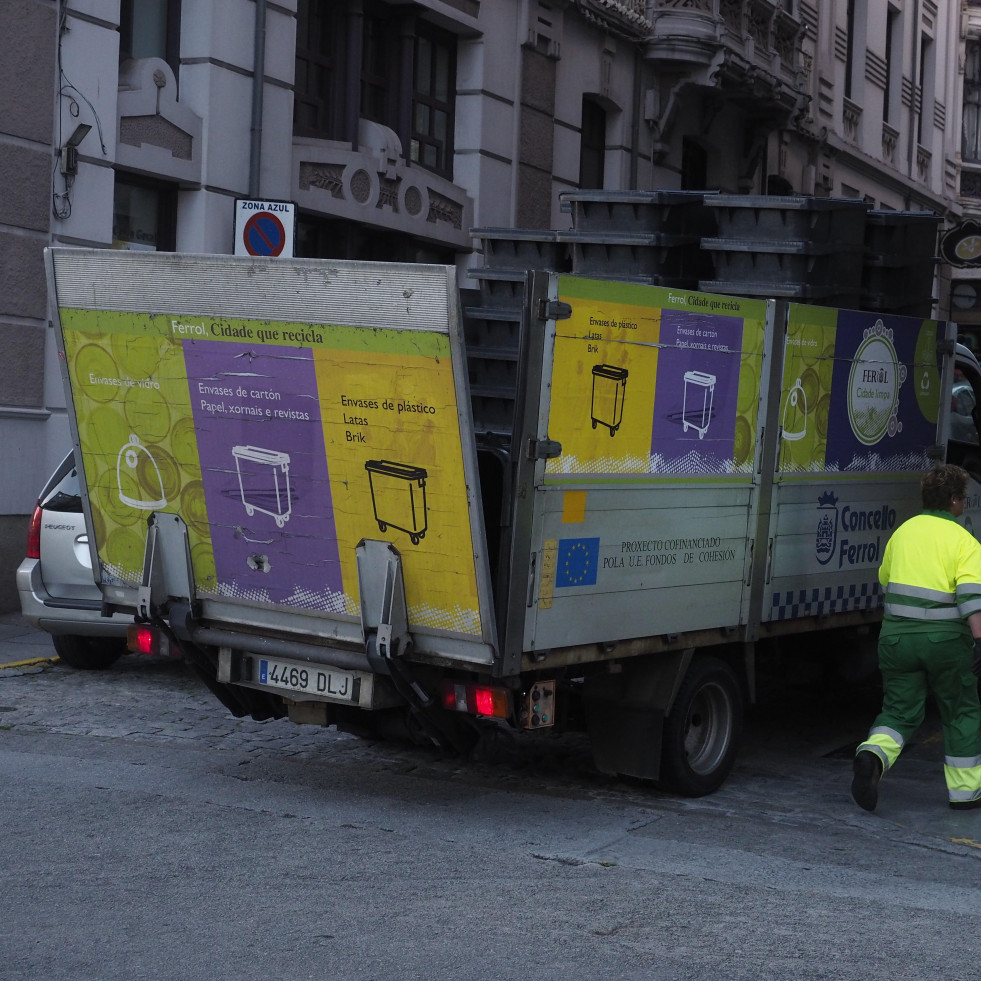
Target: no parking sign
{"type": "Point", "coordinates": [264, 227]}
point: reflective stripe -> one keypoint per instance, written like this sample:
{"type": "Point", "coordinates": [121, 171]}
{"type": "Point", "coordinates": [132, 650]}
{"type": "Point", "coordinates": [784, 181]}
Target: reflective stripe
{"type": "Point", "coordinates": [891, 733]}
{"type": "Point", "coordinates": [969, 587]}
{"type": "Point", "coordinates": [921, 613]}
{"type": "Point", "coordinates": [963, 782]}
{"type": "Point", "coordinates": [921, 592]}
{"type": "Point", "coordinates": [879, 752]}
{"type": "Point", "coordinates": [886, 743]}
{"type": "Point", "coordinates": [959, 795]}
{"type": "Point", "coordinates": [967, 607]}
{"type": "Point", "coordinates": [962, 762]}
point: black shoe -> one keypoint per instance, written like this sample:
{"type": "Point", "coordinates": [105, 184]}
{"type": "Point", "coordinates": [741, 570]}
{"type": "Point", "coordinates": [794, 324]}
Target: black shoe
{"type": "Point", "coordinates": [867, 768]}
{"type": "Point", "coordinates": [965, 805]}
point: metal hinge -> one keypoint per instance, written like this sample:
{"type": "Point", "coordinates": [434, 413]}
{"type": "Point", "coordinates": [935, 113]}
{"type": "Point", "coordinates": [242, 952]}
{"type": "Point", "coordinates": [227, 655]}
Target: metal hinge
{"type": "Point", "coordinates": [554, 310]}
{"type": "Point", "coordinates": [543, 449]}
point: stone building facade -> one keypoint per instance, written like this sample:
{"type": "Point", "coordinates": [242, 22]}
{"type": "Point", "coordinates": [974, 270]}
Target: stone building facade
{"type": "Point", "coordinates": [397, 127]}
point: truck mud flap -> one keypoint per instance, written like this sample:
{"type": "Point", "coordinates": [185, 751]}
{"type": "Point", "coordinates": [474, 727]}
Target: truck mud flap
{"type": "Point", "coordinates": [624, 734]}
{"type": "Point", "coordinates": [625, 714]}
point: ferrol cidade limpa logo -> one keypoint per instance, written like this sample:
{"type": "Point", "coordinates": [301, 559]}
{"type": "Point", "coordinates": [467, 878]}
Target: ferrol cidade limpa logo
{"type": "Point", "coordinates": [826, 535]}
{"type": "Point", "coordinates": [873, 386]}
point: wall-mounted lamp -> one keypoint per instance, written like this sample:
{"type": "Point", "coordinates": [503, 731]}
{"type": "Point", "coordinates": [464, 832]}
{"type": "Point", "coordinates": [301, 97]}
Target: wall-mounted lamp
{"type": "Point", "coordinates": [69, 152]}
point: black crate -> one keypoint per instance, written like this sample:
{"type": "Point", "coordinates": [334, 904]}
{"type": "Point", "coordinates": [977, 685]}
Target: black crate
{"type": "Point", "coordinates": [897, 238]}
{"type": "Point", "coordinates": [643, 212]}
{"type": "Point", "coordinates": [777, 218]}
{"type": "Point", "coordinates": [912, 278]}
{"type": "Point", "coordinates": [657, 259]}
{"type": "Point", "coordinates": [827, 296]}
{"type": "Point", "coordinates": [904, 305]}
{"type": "Point", "coordinates": [495, 343]}
{"type": "Point", "coordinates": [522, 248]}
{"type": "Point", "coordinates": [825, 266]}
{"type": "Point", "coordinates": [500, 288]}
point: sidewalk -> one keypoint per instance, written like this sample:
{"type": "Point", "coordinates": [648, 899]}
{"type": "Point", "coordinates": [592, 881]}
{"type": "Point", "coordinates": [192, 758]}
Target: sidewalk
{"type": "Point", "coordinates": [19, 641]}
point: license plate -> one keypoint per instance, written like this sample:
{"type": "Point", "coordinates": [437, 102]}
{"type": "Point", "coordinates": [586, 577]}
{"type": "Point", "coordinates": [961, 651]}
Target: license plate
{"type": "Point", "coordinates": [309, 679]}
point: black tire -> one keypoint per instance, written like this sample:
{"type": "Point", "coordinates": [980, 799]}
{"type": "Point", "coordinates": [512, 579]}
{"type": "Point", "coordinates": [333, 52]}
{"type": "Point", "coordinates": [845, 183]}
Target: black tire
{"type": "Point", "coordinates": [88, 653]}
{"type": "Point", "coordinates": [701, 733]}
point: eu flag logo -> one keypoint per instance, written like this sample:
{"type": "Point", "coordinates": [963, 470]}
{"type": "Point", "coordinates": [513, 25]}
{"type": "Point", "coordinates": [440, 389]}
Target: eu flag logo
{"type": "Point", "coordinates": [577, 562]}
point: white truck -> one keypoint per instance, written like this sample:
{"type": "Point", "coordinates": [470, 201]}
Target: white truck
{"type": "Point", "coordinates": [286, 474]}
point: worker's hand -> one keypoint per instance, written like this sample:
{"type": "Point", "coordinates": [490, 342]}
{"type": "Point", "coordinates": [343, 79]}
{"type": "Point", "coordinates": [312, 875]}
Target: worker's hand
{"type": "Point", "coordinates": [976, 663]}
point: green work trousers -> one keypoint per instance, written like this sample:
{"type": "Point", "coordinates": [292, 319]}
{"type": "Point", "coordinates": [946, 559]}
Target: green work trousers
{"type": "Point", "coordinates": [910, 663]}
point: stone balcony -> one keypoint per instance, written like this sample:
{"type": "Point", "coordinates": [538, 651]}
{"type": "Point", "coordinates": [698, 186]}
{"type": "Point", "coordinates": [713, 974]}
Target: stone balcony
{"type": "Point", "coordinates": [760, 33]}
{"type": "Point", "coordinates": [744, 52]}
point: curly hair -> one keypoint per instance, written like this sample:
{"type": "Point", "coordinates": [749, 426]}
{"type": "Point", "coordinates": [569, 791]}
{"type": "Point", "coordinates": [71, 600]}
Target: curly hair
{"type": "Point", "coordinates": [941, 484]}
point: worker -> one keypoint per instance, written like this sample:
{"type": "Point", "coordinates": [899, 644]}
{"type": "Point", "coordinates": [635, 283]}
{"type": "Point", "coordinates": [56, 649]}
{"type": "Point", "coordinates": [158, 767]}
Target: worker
{"type": "Point", "coordinates": [931, 574]}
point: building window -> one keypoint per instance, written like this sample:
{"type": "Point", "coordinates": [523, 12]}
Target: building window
{"type": "Point", "coordinates": [335, 238]}
{"type": "Point", "coordinates": [592, 148]}
{"type": "Point", "coordinates": [432, 101]}
{"type": "Point", "coordinates": [849, 47]}
{"type": "Point", "coordinates": [924, 123]}
{"type": "Point", "coordinates": [971, 139]}
{"type": "Point", "coordinates": [144, 215]}
{"type": "Point", "coordinates": [150, 29]}
{"type": "Point", "coordinates": [317, 108]}
{"type": "Point", "coordinates": [894, 41]}
{"type": "Point", "coordinates": [380, 63]}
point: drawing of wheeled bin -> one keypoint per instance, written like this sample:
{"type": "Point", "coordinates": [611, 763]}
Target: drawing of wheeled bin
{"type": "Point", "coordinates": [609, 385]}
{"type": "Point", "coordinates": [264, 481]}
{"type": "Point", "coordinates": [398, 496]}
{"type": "Point", "coordinates": [699, 394]}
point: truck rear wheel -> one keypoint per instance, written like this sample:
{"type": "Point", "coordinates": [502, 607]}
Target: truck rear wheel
{"type": "Point", "coordinates": [701, 733]}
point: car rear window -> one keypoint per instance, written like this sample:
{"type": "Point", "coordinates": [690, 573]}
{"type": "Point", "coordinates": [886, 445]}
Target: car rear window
{"type": "Point", "coordinates": [63, 492]}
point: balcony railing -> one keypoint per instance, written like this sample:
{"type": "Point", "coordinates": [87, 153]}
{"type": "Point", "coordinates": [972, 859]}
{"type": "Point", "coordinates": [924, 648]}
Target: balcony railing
{"type": "Point", "coordinates": [761, 31]}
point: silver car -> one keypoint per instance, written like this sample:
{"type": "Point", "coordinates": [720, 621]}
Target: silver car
{"type": "Point", "coordinates": [55, 582]}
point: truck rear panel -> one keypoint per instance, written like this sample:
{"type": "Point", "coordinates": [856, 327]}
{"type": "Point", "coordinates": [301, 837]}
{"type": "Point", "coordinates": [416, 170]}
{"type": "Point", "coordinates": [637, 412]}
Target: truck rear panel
{"type": "Point", "coordinates": [285, 411]}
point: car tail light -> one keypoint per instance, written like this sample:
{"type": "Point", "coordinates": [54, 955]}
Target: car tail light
{"type": "Point", "coordinates": [34, 534]}
{"type": "Point", "coordinates": [476, 699]}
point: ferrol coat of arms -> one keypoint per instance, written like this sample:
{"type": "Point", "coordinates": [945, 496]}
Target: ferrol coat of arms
{"type": "Point", "coordinates": [826, 534]}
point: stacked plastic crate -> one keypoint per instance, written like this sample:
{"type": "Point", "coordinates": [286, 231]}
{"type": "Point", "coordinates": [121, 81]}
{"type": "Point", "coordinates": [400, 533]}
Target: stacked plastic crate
{"type": "Point", "coordinates": [494, 331]}
{"type": "Point", "coordinates": [900, 262]}
{"type": "Point", "coordinates": [805, 248]}
{"type": "Point", "coordinates": [647, 237]}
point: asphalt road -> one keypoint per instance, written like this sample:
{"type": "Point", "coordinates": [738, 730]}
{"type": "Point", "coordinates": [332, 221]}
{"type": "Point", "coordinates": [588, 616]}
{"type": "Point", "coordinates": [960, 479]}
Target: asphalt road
{"type": "Point", "coordinates": [148, 834]}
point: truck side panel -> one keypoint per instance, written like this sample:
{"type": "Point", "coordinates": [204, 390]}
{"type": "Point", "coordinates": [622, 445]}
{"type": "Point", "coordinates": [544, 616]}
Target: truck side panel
{"type": "Point", "coordinates": [644, 516]}
{"type": "Point", "coordinates": [861, 413]}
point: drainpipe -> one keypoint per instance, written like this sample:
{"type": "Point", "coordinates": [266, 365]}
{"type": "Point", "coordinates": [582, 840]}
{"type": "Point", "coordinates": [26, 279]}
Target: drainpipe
{"type": "Point", "coordinates": [258, 70]}
{"type": "Point", "coordinates": [637, 109]}
{"type": "Point", "coordinates": [523, 21]}
{"type": "Point", "coordinates": [917, 74]}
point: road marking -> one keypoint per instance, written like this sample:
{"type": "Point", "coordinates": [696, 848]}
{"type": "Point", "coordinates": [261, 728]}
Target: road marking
{"type": "Point", "coordinates": [29, 664]}
{"type": "Point", "coordinates": [966, 841]}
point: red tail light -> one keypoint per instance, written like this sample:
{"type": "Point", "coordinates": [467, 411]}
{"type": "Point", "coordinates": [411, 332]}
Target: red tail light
{"type": "Point", "coordinates": [141, 639]}
{"type": "Point", "coordinates": [476, 699]}
{"type": "Point", "coordinates": [34, 535]}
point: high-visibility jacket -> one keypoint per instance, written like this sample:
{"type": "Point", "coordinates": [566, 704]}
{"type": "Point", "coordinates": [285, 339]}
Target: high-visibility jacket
{"type": "Point", "coordinates": [931, 573]}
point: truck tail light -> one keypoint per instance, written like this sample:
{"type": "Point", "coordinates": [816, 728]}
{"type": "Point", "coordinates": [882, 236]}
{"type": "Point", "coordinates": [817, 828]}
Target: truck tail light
{"type": "Point", "coordinates": [34, 534]}
{"type": "Point", "coordinates": [142, 639]}
{"type": "Point", "coordinates": [476, 699]}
